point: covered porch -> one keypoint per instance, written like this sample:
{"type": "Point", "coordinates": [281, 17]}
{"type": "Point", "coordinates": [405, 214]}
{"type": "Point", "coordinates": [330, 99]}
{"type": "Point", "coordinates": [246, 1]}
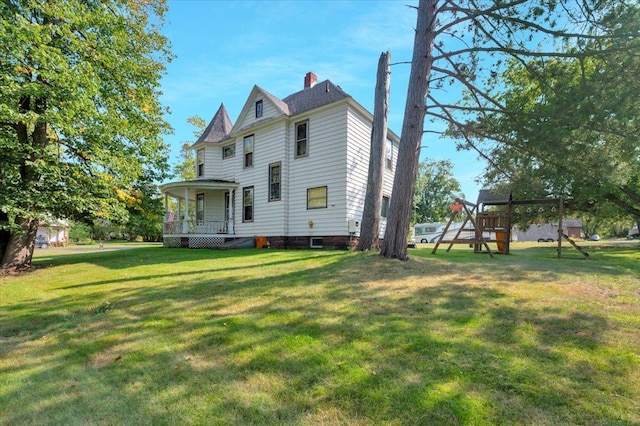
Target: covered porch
{"type": "Point", "coordinates": [198, 213]}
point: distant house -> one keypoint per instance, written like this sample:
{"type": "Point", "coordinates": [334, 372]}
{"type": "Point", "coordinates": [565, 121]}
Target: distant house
{"type": "Point", "coordinates": [290, 172]}
{"type": "Point", "coordinates": [53, 231]}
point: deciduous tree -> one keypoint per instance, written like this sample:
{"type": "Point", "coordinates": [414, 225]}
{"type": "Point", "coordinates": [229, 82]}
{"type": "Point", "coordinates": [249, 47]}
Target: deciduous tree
{"type": "Point", "coordinates": [436, 189]}
{"type": "Point", "coordinates": [186, 168]}
{"type": "Point", "coordinates": [576, 134]}
{"type": "Point", "coordinates": [80, 117]}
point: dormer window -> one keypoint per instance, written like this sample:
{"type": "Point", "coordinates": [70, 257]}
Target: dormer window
{"type": "Point", "coordinates": [259, 108]}
{"type": "Point", "coordinates": [200, 160]}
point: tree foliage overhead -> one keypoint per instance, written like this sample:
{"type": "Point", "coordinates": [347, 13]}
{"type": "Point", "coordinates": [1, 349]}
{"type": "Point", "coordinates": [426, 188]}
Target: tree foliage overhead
{"type": "Point", "coordinates": [474, 43]}
{"type": "Point", "coordinates": [576, 133]}
{"type": "Point", "coordinates": [80, 117]}
{"type": "Point", "coordinates": [566, 124]}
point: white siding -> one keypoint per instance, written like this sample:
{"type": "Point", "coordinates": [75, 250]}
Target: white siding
{"type": "Point", "coordinates": [358, 154]}
{"type": "Point", "coordinates": [269, 111]}
{"type": "Point", "coordinates": [338, 158]}
{"type": "Point", "coordinates": [358, 159]}
{"type": "Point", "coordinates": [212, 162]}
{"type": "Point", "coordinates": [325, 165]}
{"type": "Point", "coordinates": [268, 217]}
{"type": "Point", "coordinates": [213, 205]}
{"type": "Point", "coordinates": [230, 166]}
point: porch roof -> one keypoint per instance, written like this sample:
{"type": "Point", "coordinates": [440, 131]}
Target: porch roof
{"type": "Point", "coordinates": [176, 189]}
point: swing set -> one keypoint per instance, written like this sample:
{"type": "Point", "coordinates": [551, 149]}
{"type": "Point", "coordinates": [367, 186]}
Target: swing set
{"type": "Point", "coordinates": [491, 219]}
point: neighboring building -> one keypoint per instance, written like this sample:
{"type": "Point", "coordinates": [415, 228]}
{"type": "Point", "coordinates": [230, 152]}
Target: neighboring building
{"type": "Point", "coordinates": [289, 173]}
{"type": "Point", "coordinates": [548, 231]}
{"type": "Point", "coordinates": [54, 231]}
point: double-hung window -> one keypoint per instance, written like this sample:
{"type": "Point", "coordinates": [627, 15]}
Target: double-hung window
{"type": "Point", "coordinates": [259, 108]}
{"type": "Point", "coordinates": [388, 157]}
{"type": "Point", "coordinates": [317, 198]}
{"type": "Point", "coordinates": [247, 204]}
{"type": "Point", "coordinates": [248, 150]}
{"type": "Point", "coordinates": [200, 160]}
{"type": "Point", "coordinates": [274, 181]}
{"type": "Point", "coordinates": [302, 139]}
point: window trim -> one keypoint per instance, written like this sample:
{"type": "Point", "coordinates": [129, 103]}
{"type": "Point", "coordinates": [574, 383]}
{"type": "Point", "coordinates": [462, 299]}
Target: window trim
{"type": "Point", "coordinates": [200, 162]}
{"type": "Point", "coordinates": [259, 108]}
{"type": "Point", "coordinates": [245, 154]}
{"type": "Point", "coordinates": [326, 198]}
{"type": "Point", "coordinates": [315, 242]}
{"type": "Point", "coordinates": [279, 183]}
{"type": "Point", "coordinates": [244, 206]}
{"type": "Point", "coordinates": [297, 141]}
{"type": "Point", "coordinates": [233, 151]}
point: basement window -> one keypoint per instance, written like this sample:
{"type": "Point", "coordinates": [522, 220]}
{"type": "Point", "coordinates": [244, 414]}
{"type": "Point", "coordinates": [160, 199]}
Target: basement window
{"type": "Point", "coordinates": [315, 242]}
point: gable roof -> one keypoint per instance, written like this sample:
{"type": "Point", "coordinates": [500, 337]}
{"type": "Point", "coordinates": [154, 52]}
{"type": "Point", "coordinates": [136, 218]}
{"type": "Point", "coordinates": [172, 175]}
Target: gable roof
{"type": "Point", "coordinates": [257, 92]}
{"type": "Point", "coordinates": [310, 98]}
{"type": "Point", "coordinates": [319, 95]}
{"type": "Point", "coordinates": [277, 102]}
{"type": "Point", "coordinates": [219, 127]}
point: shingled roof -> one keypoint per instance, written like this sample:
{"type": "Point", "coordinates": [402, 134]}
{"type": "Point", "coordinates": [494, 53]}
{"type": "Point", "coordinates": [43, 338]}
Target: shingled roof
{"type": "Point", "coordinates": [219, 127]}
{"type": "Point", "coordinates": [489, 198]}
{"type": "Point", "coordinates": [319, 95]}
{"type": "Point", "coordinates": [277, 102]}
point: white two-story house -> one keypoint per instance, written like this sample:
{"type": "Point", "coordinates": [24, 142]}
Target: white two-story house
{"type": "Point", "coordinates": [290, 173]}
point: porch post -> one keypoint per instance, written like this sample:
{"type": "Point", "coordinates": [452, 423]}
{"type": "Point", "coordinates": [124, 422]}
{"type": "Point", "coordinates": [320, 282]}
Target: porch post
{"type": "Point", "coordinates": [230, 222]}
{"type": "Point", "coordinates": [185, 222]}
{"type": "Point", "coordinates": [179, 212]}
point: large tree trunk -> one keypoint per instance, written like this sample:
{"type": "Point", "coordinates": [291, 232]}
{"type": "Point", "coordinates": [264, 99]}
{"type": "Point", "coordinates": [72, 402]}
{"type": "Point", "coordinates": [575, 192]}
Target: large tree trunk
{"type": "Point", "coordinates": [4, 234]}
{"type": "Point", "coordinates": [370, 224]}
{"type": "Point", "coordinates": [401, 204]}
{"type": "Point", "coordinates": [19, 251]}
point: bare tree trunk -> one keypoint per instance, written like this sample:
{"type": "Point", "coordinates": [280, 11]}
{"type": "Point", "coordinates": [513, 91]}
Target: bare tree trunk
{"type": "Point", "coordinates": [401, 204]}
{"type": "Point", "coordinates": [370, 224]}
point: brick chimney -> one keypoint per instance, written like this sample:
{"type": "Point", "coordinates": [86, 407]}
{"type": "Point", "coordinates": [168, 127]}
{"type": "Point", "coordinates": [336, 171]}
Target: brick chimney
{"type": "Point", "coordinates": [310, 80]}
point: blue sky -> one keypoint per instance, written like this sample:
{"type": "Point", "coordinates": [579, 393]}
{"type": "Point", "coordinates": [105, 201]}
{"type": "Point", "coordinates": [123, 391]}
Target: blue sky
{"type": "Point", "coordinates": [224, 47]}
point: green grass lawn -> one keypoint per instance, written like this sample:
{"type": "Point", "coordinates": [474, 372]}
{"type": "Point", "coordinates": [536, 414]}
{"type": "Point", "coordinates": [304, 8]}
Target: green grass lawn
{"type": "Point", "coordinates": [177, 336]}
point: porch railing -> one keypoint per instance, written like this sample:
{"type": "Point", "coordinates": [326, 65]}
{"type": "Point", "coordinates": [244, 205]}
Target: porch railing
{"type": "Point", "coordinates": [198, 227]}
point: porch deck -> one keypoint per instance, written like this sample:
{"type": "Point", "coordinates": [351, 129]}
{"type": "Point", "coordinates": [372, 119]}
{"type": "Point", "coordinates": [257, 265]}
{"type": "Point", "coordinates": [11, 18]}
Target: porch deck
{"type": "Point", "coordinates": [198, 233]}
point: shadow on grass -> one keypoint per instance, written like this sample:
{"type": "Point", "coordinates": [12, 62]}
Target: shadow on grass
{"type": "Point", "coordinates": [321, 342]}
